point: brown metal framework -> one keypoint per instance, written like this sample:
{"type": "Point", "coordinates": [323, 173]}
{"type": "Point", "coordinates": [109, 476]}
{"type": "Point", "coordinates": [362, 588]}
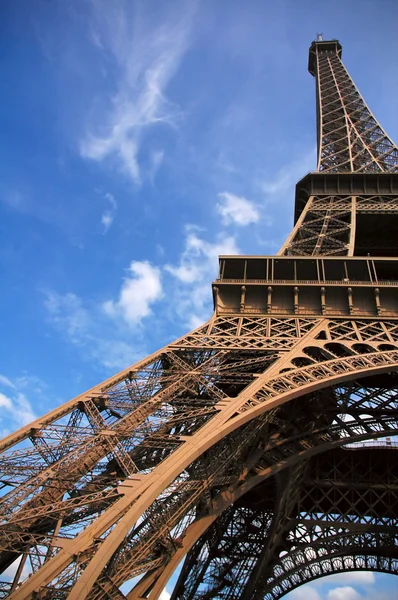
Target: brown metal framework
{"type": "Point", "coordinates": [259, 447]}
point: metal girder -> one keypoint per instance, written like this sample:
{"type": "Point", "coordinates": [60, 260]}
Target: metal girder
{"type": "Point", "coordinates": [356, 166]}
{"type": "Point", "coordinates": [316, 527]}
{"type": "Point", "coordinates": [191, 431]}
{"type": "Point", "coordinates": [250, 446]}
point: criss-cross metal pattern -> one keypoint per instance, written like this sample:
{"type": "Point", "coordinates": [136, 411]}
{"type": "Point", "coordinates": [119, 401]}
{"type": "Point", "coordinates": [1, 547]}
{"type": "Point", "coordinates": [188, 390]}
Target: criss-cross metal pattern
{"type": "Point", "coordinates": [349, 136]}
{"type": "Point", "coordinates": [320, 529]}
{"type": "Point", "coordinates": [259, 449]}
{"type": "Point", "coordinates": [350, 140]}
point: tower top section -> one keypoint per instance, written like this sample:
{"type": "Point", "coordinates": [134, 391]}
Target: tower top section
{"type": "Point", "coordinates": [320, 46]}
{"type": "Point", "coordinates": [349, 137]}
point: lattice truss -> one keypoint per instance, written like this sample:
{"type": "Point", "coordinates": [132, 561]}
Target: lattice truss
{"type": "Point", "coordinates": [349, 140]}
{"type": "Point", "coordinates": [349, 136]}
{"type": "Point", "coordinates": [327, 224]}
{"type": "Point", "coordinates": [335, 513]}
{"type": "Point", "coordinates": [119, 484]}
{"type": "Point", "coordinates": [325, 227]}
{"type": "Point", "coordinates": [234, 448]}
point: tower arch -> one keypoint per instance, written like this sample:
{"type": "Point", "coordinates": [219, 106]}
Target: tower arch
{"type": "Point", "coordinates": [226, 445]}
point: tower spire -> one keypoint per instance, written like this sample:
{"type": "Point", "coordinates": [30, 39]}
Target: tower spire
{"type": "Point", "coordinates": [348, 206]}
{"type": "Point", "coordinates": [349, 137]}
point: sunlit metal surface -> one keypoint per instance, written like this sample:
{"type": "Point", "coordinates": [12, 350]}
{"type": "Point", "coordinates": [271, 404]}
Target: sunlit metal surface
{"type": "Point", "coordinates": [259, 447]}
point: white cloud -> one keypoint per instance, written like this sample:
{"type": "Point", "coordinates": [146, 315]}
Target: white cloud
{"type": "Point", "coordinates": [107, 220]}
{"type": "Point", "coordinates": [97, 329]}
{"type": "Point", "coordinates": [356, 585]}
{"type": "Point", "coordinates": [146, 54]}
{"type": "Point", "coordinates": [16, 409]}
{"type": "Point", "coordinates": [237, 209]}
{"type": "Point", "coordinates": [200, 257]}
{"type": "Point", "coordinates": [139, 290]}
{"type": "Point", "coordinates": [165, 595]}
{"type": "Point", "coordinates": [352, 578]}
{"type": "Point", "coordinates": [343, 593]}
{"type": "Point", "coordinates": [5, 402]}
{"type": "Point", "coordinates": [305, 592]}
{"type": "Point", "coordinates": [195, 270]}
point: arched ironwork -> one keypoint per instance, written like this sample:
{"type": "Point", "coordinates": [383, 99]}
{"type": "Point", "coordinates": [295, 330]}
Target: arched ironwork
{"type": "Point", "coordinates": [224, 446]}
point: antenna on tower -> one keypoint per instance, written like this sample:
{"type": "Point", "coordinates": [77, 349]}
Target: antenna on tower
{"type": "Point", "coordinates": [319, 37]}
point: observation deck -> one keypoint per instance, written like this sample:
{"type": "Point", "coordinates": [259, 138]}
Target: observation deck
{"type": "Point", "coordinates": [314, 285]}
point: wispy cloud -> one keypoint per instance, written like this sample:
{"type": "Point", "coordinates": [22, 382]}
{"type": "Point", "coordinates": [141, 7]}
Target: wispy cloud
{"type": "Point", "coordinates": [18, 407]}
{"type": "Point", "coordinates": [352, 578]}
{"type": "Point", "coordinates": [82, 324]}
{"type": "Point", "coordinates": [4, 381]}
{"type": "Point", "coordinates": [194, 272]}
{"type": "Point", "coordinates": [180, 291]}
{"type": "Point", "coordinates": [305, 593]}
{"type": "Point", "coordinates": [281, 187]}
{"type": "Point", "coordinates": [199, 256]}
{"type": "Point", "coordinates": [352, 585]}
{"type": "Point", "coordinates": [146, 57]}
{"type": "Point", "coordinates": [344, 593]}
{"type": "Point", "coordinates": [237, 209]}
{"type": "Point", "coordinates": [138, 292]}
{"type": "Point", "coordinates": [15, 199]}
{"type": "Point", "coordinates": [98, 329]}
{"type": "Point", "coordinates": [109, 214]}
{"type": "Point", "coordinates": [15, 407]}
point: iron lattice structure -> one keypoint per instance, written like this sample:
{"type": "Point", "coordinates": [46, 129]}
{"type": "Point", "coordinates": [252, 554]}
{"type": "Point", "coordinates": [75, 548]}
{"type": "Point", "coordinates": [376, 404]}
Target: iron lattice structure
{"type": "Point", "coordinates": [258, 448]}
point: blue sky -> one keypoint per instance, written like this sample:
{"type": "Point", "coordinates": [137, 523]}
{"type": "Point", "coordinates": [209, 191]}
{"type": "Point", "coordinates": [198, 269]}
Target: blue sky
{"type": "Point", "coordinates": [140, 140]}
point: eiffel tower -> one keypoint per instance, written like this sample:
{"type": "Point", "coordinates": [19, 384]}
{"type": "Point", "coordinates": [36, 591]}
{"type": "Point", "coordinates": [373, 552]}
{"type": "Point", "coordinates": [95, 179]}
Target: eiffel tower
{"type": "Point", "coordinates": [257, 450]}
